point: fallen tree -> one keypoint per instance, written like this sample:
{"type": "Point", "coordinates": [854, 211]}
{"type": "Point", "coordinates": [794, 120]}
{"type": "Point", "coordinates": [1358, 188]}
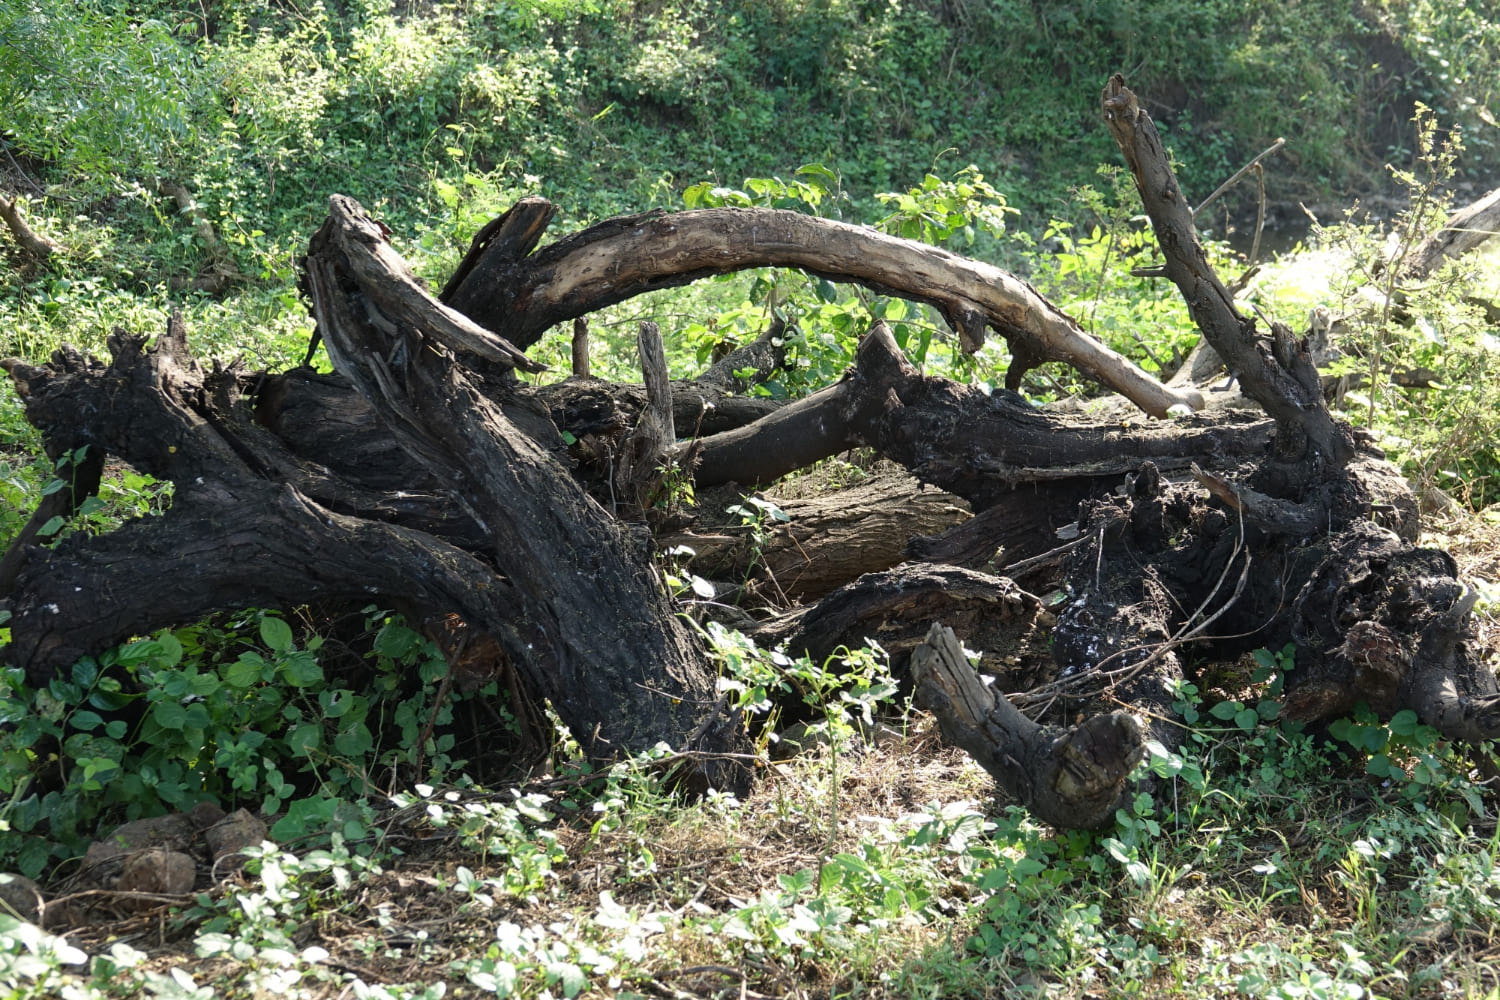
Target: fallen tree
{"type": "Point", "coordinates": [423, 472]}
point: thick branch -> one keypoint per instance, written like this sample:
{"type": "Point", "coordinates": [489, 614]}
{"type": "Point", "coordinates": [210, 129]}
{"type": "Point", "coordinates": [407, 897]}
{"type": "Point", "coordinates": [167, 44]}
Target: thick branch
{"type": "Point", "coordinates": [978, 445]}
{"type": "Point", "coordinates": [1072, 778]}
{"type": "Point", "coordinates": [31, 241]}
{"type": "Point", "coordinates": [1464, 230]}
{"type": "Point", "coordinates": [521, 297]}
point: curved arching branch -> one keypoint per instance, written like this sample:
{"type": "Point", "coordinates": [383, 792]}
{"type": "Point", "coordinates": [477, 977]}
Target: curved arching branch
{"type": "Point", "coordinates": [519, 295]}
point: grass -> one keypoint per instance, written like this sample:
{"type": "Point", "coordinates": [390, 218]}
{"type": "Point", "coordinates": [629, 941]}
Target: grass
{"type": "Point", "coordinates": [1284, 871]}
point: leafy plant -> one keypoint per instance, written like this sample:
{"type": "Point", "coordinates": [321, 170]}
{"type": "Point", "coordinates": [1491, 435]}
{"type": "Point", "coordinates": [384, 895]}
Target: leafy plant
{"type": "Point", "coordinates": [238, 713]}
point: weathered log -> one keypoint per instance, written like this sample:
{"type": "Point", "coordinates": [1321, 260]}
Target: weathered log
{"type": "Point", "coordinates": [644, 454]}
{"type": "Point", "coordinates": [1070, 777]}
{"type": "Point", "coordinates": [827, 540]}
{"type": "Point", "coordinates": [519, 294]}
{"type": "Point", "coordinates": [1465, 229]}
{"type": "Point", "coordinates": [978, 445]}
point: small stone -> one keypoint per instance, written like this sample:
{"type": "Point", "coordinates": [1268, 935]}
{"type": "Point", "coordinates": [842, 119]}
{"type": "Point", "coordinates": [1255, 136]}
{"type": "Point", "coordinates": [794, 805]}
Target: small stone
{"type": "Point", "coordinates": [235, 832]}
{"type": "Point", "coordinates": [156, 870]}
{"type": "Point", "coordinates": [174, 832]}
{"type": "Point", "coordinates": [21, 897]}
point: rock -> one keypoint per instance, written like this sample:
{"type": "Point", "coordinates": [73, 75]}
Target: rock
{"type": "Point", "coordinates": [232, 834]}
{"type": "Point", "coordinates": [174, 833]}
{"type": "Point", "coordinates": [21, 897]}
{"type": "Point", "coordinates": [157, 870]}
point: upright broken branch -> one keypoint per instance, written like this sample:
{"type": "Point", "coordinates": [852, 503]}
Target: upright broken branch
{"type": "Point", "coordinates": [1274, 372]}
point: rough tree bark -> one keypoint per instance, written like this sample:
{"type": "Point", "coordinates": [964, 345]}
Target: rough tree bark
{"type": "Point", "coordinates": [518, 294]}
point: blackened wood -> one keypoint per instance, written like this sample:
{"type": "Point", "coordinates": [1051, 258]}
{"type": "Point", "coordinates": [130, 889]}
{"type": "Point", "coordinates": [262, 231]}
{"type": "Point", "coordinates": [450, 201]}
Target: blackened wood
{"type": "Point", "coordinates": [1387, 623]}
{"type": "Point", "coordinates": [497, 249]}
{"type": "Point", "coordinates": [980, 446]}
{"type": "Point", "coordinates": [761, 358]}
{"type": "Point", "coordinates": [603, 643]}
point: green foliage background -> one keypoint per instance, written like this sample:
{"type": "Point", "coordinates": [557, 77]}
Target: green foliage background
{"type": "Point", "coordinates": [438, 113]}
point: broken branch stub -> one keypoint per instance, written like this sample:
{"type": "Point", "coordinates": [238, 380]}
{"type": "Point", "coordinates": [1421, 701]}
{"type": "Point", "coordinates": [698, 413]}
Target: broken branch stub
{"type": "Point", "coordinates": [1073, 778]}
{"type": "Point", "coordinates": [1273, 371]}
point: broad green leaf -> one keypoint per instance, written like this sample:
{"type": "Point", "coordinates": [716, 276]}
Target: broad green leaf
{"type": "Point", "coordinates": [276, 634]}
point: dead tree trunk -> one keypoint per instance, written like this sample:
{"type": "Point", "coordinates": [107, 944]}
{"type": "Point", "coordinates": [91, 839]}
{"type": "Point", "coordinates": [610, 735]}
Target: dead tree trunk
{"type": "Point", "coordinates": [562, 586]}
{"type": "Point", "coordinates": [424, 472]}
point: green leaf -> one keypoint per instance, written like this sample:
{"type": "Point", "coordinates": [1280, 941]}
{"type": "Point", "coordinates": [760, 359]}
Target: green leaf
{"type": "Point", "coordinates": [169, 715]}
{"type": "Point", "coordinates": [85, 672]}
{"type": "Point", "coordinates": [354, 742]}
{"type": "Point", "coordinates": [53, 526]}
{"type": "Point", "coordinates": [1225, 710]}
{"type": "Point", "coordinates": [335, 703]}
{"type": "Point", "coordinates": [1247, 719]}
{"type": "Point", "coordinates": [396, 641]}
{"type": "Point", "coordinates": [169, 650]}
{"type": "Point", "coordinates": [86, 721]}
{"type": "Point", "coordinates": [247, 670]}
{"type": "Point", "coordinates": [1403, 723]}
{"type": "Point", "coordinates": [304, 739]}
{"type": "Point", "coordinates": [311, 815]}
{"type": "Point", "coordinates": [276, 634]}
{"type": "Point", "coordinates": [300, 669]}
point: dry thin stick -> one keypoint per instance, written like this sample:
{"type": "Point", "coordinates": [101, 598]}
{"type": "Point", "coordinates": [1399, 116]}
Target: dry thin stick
{"type": "Point", "coordinates": [1049, 693]}
{"type": "Point", "coordinates": [1238, 174]}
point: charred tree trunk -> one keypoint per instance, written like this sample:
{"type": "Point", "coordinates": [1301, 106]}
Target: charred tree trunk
{"type": "Point", "coordinates": [424, 472]}
{"type": "Point", "coordinates": [560, 585]}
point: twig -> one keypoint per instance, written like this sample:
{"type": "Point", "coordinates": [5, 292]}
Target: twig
{"type": "Point", "coordinates": [1106, 679]}
{"type": "Point", "coordinates": [1238, 174]}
